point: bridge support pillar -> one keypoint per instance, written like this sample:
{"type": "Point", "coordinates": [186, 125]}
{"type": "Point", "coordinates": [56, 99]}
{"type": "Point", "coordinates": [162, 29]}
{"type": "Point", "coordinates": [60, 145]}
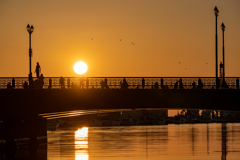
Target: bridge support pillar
{"type": "Point", "coordinates": [22, 129]}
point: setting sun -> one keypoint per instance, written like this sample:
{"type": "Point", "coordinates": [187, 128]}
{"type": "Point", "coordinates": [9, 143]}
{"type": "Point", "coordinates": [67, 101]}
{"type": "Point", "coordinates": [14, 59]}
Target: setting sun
{"type": "Point", "coordinates": [80, 67]}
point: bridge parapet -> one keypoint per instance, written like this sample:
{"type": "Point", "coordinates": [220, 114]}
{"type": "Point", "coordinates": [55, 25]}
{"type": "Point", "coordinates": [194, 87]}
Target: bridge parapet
{"type": "Point", "coordinates": [124, 82]}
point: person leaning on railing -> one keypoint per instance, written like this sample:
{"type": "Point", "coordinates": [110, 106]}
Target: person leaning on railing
{"type": "Point", "coordinates": [50, 83]}
{"type": "Point", "coordinates": [200, 84]}
{"type": "Point", "coordinates": [194, 85]}
{"type": "Point", "coordinates": [9, 85]}
{"type": "Point", "coordinates": [13, 83]}
{"type": "Point", "coordinates": [25, 85]}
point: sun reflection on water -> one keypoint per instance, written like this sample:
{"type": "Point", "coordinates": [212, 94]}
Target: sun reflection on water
{"type": "Point", "coordinates": [81, 144]}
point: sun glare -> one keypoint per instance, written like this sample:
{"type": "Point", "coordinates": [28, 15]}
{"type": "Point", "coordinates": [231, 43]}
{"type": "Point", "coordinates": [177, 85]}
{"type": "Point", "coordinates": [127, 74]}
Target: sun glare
{"type": "Point", "coordinates": [80, 67]}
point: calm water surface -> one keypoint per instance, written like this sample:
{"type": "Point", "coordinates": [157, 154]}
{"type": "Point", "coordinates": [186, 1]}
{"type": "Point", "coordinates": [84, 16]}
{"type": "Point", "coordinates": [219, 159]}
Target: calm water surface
{"type": "Point", "coordinates": [166, 142]}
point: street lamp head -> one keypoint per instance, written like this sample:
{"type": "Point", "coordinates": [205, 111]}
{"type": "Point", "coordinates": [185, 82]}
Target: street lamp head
{"type": "Point", "coordinates": [216, 12]}
{"type": "Point", "coordinates": [28, 27]}
{"type": "Point", "coordinates": [32, 29]}
{"type": "Point", "coordinates": [223, 27]}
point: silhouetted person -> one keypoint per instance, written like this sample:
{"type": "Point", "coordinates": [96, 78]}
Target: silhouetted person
{"type": "Point", "coordinates": [50, 83]}
{"type": "Point", "coordinates": [68, 83]}
{"type": "Point", "coordinates": [162, 86]}
{"type": "Point", "coordinates": [156, 85]}
{"type": "Point", "coordinates": [9, 85]}
{"type": "Point", "coordinates": [10, 148]}
{"type": "Point", "coordinates": [82, 82]}
{"type": "Point", "coordinates": [224, 84]}
{"type": "Point", "coordinates": [237, 83]}
{"type": "Point", "coordinates": [87, 83]}
{"type": "Point", "coordinates": [176, 85]}
{"type": "Point", "coordinates": [143, 83]}
{"type": "Point", "coordinates": [152, 85]}
{"type": "Point", "coordinates": [102, 84]}
{"type": "Point", "coordinates": [218, 83]}
{"type": "Point", "coordinates": [105, 83]}
{"type": "Point", "coordinates": [194, 85]}
{"type": "Point", "coordinates": [33, 146]}
{"type": "Point", "coordinates": [41, 81]}
{"type": "Point", "coordinates": [180, 84]}
{"type": "Point", "coordinates": [166, 86]}
{"type": "Point", "coordinates": [124, 84]}
{"type": "Point", "coordinates": [62, 82]}
{"type": "Point", "coordinates": [200, 84]}
{"type": "Point", "coordinates": [38, 70]}
{"type": "Point", "coordinates": [25, 85]}
{"type": "Point", "coordinates": [72, 86]}
{"type": "Point", "coordinates": [13, 83]}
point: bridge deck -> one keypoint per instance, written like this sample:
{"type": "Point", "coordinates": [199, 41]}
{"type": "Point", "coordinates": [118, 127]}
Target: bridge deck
{"type": "Point", "coordinates": [32, 102]}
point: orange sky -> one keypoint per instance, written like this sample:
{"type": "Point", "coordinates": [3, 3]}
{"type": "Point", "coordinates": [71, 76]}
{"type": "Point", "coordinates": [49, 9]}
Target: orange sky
{"type": "Point", "coordinates": [165, 32]}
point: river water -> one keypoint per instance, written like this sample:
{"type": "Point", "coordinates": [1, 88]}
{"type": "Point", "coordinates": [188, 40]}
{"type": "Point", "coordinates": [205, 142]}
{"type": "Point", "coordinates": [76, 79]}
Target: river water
{"type": "Point", "coordinates": [213, 141]}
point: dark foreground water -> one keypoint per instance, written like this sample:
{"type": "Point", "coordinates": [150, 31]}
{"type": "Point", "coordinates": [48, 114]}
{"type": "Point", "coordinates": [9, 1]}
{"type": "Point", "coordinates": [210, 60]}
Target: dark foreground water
{"type": "Point", "coordinates": [166, 142]}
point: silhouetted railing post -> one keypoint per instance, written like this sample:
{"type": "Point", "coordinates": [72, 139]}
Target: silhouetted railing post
{"type": "Point", "coordinates": [82, 79]}
{"type": "Point", "coordinates": [68, 83]}
{"type": "Point", "coordinates": [30, 79]}
{"type": "Point", "coordinates": [61, 81]}
{"type": "Point", "coordinates": [87, 83]}
{"type": "Point", "coordinates": [143, 83]}
{"type": "Point", "coordinates": [237, 83]}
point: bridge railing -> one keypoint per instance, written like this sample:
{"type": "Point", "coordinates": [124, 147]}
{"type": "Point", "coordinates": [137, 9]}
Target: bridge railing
{"type": "Point", "coordinates": [123, 82]}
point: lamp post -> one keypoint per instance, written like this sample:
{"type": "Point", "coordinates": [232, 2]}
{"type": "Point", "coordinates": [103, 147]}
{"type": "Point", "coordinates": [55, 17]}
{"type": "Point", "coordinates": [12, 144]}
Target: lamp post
{"type": "Point", "coordinates": [223, 29]}
{"type": "Point", "coordinates": [30, 31]}
{"type": "Point", "coordinates": [216, 12]}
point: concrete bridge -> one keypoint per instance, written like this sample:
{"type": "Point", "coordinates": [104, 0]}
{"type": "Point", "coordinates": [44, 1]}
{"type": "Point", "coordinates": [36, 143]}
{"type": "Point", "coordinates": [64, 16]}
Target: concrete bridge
{"type": "Point", "coordinates": [22, 109]}
{"type": "Point", "coordinates": [32, 102]}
